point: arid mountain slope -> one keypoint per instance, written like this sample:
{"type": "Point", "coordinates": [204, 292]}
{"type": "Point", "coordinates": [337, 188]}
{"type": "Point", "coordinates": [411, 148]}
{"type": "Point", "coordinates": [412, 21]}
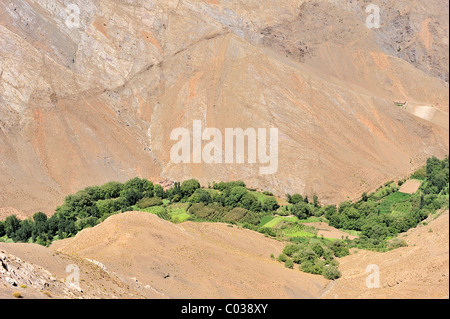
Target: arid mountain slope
{"type": "Point", "coordinates": [191, 260]}
{"type": "Point", "coordinates": [37, 272]}
{"type": "Point", "coordinates": [90, 102]}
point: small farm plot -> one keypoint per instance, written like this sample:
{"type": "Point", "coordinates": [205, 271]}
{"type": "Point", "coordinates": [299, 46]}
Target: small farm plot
{"type": "Point", "coordinates": [276, 220]}
{"type": "Point", "coordinates": [178, 212]}
{"type": "Point", "coordinates": [411, 186]}
{"type": "Point", "coordinates": [391, 200]}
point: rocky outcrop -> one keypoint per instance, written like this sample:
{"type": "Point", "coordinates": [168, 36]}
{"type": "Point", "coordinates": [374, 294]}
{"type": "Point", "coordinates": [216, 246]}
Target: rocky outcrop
{"type": "Point", "coordinates": [16, 273]}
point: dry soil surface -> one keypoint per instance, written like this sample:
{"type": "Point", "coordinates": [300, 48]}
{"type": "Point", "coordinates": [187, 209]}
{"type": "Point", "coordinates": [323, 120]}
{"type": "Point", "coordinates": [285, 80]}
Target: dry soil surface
{"type": "Point", "coordinates": [411, 186]}
{"type": "Point", "coordinates": [420, 270]}
{"type": "Point", "coordinates": [192, 260]}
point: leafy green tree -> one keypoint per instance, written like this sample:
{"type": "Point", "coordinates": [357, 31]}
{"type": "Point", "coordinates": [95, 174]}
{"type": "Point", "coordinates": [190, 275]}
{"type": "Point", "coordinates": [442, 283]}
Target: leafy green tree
{"type": "Point", "coordinates": [40, 218]}
{"type": "Point", "coordinates": [112, 190]}
{"type": "Point", "coordinates": [373, 229]}
{"type": "Point", "coordinates": [340, 248]}
{"type": "Point", "coordinates": [85, 223]}
{"type": "Point", "coordinates": [95, 192]}
{"type": "Point", "coordinates": [201, 196]}
{"type": "Point", "coordinates": [235, 195]}
{"type": "Point", "coordinates": [159, 191]}
{"type": "Point", "coordinates": [131, 195]}
{"type": "Point", "coordinates": [318, 250]}
{"type": "Point", "coordinates": [290, 249]}
{"type": "Point", "coordinates": [250, 202]}
{"type": "Point", "coordinates": [302, 210]}
{"type": "Point", "coordinates": [40, 226]}
{"type": "Point", "coordinates": [295, 199]}
{"type": "Point", "coordinates": [270, 204]}
{"type": "Point", "coordinates": [105, 207]}
{"type": "Point", "coordinates": [66, 228]}
{"type": "Point", "coordinates": [189, 187]}
{"type": "Point", "coordinates": [316, 201]}
{"type": "Point", "coordinates": [24, 232]}
{"type": "Point", "coordinates": [365, 197]}
{"type": "Point", "coordinates": [2, 229]}
{"type": "Point", "coordinates": [11, 225]}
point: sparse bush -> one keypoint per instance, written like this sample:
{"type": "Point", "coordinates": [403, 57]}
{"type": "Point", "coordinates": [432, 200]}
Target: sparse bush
{"type": "Point", "coordinates": [289, 264]}
{"type": "Point", "coordinates": [331, 272]}
{"type": "Point", "coordinates": [17, 294]}
{"type": "Point", "coordinates": [396, 243]}
{"type": "Point", "coordinates": [290, 249]}
{"type": "Point", "coordinates": [282, 258]}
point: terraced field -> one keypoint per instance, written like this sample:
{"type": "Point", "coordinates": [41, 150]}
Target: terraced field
{"type": "Point", "coordinates": [392, 200]}
{"type": "Point", "coordinates": [178, 212]}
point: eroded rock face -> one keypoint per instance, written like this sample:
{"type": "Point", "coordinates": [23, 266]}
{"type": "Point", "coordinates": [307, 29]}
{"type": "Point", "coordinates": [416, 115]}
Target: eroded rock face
{"type": "Point", "coordinates": [91, 98]}
{"type": "Point", "coordinates": [15, 272]}
{"type": "Point", "coordinates": [35, 271]}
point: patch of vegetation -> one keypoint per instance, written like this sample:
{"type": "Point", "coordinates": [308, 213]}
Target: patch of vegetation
{"type": "Point", "coordinates": [149, 202]}
{"type": "Point", "coordinates": [377, 219]}
{"type": "Point", "coordinates": [316, 256]}
{"type": "Point", "coordinates": [380, 217]}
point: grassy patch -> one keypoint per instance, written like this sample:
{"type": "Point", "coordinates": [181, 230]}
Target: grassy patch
{"type": "Point", "coordinates": [312, 220]}
{"type": "Point", "coordinates": [5, 239]}
{"type": "Point", "coordinates": [275, 221]}
{"type": "Point", "coordinates": [401, 209]}
{"type": "Point", "coordinates": [351, 232]}
{"type": "Point", "coordinates": [265, 220]}
{"type": "Point", "coordinates": [178, 215]}
{"type": "Point", "coordinates": [260, 196]}
{"type": "Point", "coordinates": [392, 199]}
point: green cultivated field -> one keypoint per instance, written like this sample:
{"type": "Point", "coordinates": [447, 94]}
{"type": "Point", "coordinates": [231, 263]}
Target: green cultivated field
{"type": "Point", "coordinates": [391, 200]}
{"type": "Point", "coordinates": [178, 212]}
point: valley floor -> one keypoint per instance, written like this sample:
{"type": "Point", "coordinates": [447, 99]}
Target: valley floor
{"type": "Point", "coordinates": [138, 255]}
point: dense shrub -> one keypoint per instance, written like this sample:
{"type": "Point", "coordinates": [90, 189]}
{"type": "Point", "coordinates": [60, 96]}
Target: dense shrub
{"type": "Point", "coordinates": [200, 210]}
{"type": "Point", "coordinates": [289, 264]}
{"type": "Point", "coordinates": [149, 202]}
{"type": "Point", "coordinates": [201, 196]}
{"type": "Point", "coordinates": [331, 272]}
{"type": "Point", "coordinates": [189, 187]}
{"type": "Point", "coordinates": [290, 249]}
{"type": "Point", "coordinates": [270, 204]}
{"type": "Point", "coordinates": [235, 214]}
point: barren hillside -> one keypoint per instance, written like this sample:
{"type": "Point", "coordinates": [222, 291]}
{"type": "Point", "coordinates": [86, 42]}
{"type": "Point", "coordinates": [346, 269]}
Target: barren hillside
{"type": "Point", "coordinates": [86, 103]}
{"type": "Point", "coordinates": [37, 272]}
{"type": "Point", "coordinates": [191, 260]}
